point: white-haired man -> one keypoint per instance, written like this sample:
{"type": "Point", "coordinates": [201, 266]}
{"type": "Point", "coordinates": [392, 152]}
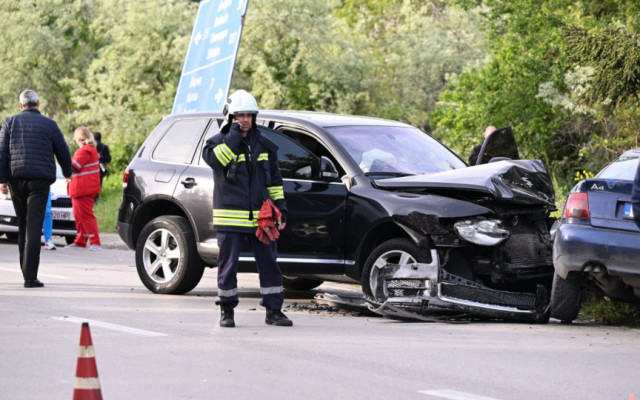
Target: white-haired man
{"type": "Point", "coordinates": [29, 141]}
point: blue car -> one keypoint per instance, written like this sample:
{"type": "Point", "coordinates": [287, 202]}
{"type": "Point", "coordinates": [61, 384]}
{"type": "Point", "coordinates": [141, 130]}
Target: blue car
{"type": "Point", "coordinates": [597, 243]}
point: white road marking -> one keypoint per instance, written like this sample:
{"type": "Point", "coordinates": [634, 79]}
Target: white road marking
{"type": "Point", "coordinates": [17, 270]}
{"type": "Point", "coordinates": [54, 276]}
{"type": "Point", "coordinates": [113, 327]}
{"type": "Point", "coordinates": [454, 395]}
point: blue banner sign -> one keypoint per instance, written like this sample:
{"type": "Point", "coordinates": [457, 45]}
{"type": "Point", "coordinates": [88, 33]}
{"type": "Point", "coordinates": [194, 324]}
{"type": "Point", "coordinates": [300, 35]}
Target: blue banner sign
{"type": "Point", "coordinates": [211, 57]}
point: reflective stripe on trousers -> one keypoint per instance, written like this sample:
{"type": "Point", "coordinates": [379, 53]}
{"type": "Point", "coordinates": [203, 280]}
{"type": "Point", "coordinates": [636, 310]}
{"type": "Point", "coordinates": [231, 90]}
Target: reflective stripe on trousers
{"type": "Point", "coordinates": [230, 244]}
{"type": "Point", "coordinates": [271, 290]}
{"type": "Point", "coordinates": [227, 293]}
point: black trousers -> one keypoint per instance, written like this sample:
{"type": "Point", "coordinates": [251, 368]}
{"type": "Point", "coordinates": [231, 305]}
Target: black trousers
{"type": "Point", "coordinates": [230, 244]}
{"type": "Point", "coordinates": [30, 202]}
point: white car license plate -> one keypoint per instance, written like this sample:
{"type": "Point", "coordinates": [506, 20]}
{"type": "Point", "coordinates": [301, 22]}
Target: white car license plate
{"type": "Point", "coordinates": [63, 215]}
{"type": "Point", "coordinates": [628, 211]}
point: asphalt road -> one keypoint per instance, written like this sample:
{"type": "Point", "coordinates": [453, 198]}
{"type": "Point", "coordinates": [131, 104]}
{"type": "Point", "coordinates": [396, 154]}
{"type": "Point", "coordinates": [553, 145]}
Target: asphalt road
{"type": "Point", "coordinates": [169, 347]}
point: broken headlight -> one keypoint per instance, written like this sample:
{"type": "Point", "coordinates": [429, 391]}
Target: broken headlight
{"type": "Point", "coordinates": [486, 232]}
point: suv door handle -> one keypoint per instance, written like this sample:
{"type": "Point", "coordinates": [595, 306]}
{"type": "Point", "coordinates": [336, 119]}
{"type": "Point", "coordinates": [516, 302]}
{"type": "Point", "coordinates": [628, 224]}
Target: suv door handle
{"type": "Point", "coordinates": [189, 183]}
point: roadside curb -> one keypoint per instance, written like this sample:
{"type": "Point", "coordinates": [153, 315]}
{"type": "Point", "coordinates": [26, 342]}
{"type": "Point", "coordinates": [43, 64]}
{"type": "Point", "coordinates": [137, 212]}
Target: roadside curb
{"type": "Point", "coordinates": [112, 241]}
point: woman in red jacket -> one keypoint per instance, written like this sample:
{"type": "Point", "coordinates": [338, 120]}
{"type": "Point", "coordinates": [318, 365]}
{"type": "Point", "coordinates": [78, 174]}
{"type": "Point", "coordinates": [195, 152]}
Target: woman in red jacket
{"type": "Point", "coordinates": [83, 188]}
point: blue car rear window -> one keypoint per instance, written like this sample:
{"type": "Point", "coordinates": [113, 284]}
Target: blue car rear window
{"type": "Point", "coordinates": [622, 168]}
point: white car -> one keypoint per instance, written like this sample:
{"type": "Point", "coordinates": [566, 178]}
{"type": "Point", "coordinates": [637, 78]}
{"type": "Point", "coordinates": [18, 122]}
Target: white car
{"type": "Point", "coordinates": [63, 222]}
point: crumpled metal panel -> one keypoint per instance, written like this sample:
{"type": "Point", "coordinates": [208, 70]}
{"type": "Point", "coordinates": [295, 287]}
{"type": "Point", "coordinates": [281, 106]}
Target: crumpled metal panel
{"type": "Point", "coordinates": [518, 181]}
{"type": "Point", "coordinates": [418, 291]}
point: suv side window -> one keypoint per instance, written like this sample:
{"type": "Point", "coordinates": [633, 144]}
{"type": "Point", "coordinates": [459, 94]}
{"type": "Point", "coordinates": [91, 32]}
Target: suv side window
{"type": "Point", "coordinates": [296, 162]}
{"type": "Point", "coordinates": [177, 144]}
{"type": "Point", "coordinates": [311, 144]}
{"type": "Point", "coordinates": [213, 129]}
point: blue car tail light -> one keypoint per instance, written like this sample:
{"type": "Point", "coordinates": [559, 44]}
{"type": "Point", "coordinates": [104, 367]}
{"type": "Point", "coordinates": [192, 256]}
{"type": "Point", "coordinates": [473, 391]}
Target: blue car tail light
{"type": "Point", "coordinates": [577, 206]}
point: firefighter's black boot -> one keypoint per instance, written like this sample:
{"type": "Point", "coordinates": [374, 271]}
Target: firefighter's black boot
{"type": "Point", "coordinates": [226, 316]}
{"type": "Point", "coordinates": [277, 318]}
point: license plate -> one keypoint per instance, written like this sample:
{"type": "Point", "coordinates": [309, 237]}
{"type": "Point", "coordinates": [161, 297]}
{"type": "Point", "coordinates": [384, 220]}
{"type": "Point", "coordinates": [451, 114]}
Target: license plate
{"type": "Point", "coordinates": [628, 211]}
{"type": "Point", "coordinates": [63, 215]}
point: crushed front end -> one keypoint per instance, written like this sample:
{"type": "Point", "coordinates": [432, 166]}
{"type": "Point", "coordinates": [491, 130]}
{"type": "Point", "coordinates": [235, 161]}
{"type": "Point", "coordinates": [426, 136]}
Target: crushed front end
{"type": "Point", "coordinates": [489, 249]}
{"type": "Point", "coordinates": [419, 291]}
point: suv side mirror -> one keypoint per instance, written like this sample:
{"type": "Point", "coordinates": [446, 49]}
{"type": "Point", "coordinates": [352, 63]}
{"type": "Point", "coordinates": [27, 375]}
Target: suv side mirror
{"type": "Point", "coordinates": [328, 170]}
{"type": "Point", "coordinates": [501, 145]}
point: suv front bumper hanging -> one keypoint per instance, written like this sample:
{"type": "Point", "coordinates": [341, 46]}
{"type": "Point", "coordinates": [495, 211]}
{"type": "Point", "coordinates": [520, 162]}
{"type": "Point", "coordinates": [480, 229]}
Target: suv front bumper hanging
{"type": "Point", "coordinates": [417, 290]}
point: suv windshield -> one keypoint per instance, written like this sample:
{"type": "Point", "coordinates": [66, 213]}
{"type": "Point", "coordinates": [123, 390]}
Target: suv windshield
{"type": "Point", "coordinates": [395, 151]}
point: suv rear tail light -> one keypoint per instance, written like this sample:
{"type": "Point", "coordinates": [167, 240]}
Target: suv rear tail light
{"type": "Point", "coordinates": [577, 206]}
{"type": "Point", "coordinates": [125, 178]}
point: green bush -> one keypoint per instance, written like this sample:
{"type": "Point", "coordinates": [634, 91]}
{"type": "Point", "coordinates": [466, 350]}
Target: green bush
{"type": "Point", "coordinates": [107, 208]}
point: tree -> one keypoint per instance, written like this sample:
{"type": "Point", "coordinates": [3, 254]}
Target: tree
{"type": "Point", "coordinates": [131, 81]}
{"type": "Point", "coordinates": [615, 58]}
{"type": "Point", "coordinates": [529, 58]}
{"type": "Point", "coordinates": [612, 88]}
{"type": "Point", "coordinates": [44, 44]}
{"type": "Point", "coordinates": [391, 59]}
{"type": "Point", "coordinates": [112, 65]}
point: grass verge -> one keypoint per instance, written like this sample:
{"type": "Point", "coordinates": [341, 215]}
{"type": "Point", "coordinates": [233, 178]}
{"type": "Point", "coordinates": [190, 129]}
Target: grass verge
{"type": "Point", "coordinates": [107, 208]}
{"type": "Point", "coordinates": [607, 311]}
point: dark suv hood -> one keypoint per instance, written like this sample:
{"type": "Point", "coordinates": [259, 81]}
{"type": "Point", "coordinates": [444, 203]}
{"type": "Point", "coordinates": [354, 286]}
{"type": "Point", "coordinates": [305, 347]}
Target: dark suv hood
{"type": "Point", "coordinates": [516, 181]}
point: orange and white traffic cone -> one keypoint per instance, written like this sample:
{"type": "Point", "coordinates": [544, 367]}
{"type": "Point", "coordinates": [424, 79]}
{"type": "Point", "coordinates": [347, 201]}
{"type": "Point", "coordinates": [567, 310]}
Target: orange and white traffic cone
{"type": "Point", "coordinates": [87, 384]}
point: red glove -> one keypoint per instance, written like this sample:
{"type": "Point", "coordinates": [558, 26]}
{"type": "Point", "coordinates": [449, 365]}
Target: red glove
{"type": "Point", "coordinates": [262, 236]}
{"type": "Point", "coordinates": [267, 231]}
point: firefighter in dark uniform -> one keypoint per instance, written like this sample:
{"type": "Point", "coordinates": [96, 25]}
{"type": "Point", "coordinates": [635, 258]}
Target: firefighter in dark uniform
{"type": "Point", "coordinates": [246, 173]}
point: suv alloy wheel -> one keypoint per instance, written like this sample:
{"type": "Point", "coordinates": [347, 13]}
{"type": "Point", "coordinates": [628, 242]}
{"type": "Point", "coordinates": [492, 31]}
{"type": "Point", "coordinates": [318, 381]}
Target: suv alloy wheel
{"type": "Point", "coordinates": [166, 257]}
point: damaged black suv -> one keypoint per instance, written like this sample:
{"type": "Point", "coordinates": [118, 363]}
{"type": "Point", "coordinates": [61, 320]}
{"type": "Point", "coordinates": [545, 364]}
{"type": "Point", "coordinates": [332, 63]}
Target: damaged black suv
{"type": "Point", "coordinates": [370, 200]}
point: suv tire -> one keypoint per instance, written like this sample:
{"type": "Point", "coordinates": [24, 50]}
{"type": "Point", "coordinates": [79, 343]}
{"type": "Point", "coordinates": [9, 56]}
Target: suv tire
{"type": "Point", "coordinates": [166, 256]}
{"type": "Point", "coordinates": [394, 251]}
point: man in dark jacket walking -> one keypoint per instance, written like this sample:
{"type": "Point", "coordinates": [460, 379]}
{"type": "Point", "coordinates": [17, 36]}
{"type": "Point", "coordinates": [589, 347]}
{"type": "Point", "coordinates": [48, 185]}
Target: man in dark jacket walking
{"type": "Point", "coordinates": [28, 143]}
{"type": "Point", "coordinates": [246, 174]}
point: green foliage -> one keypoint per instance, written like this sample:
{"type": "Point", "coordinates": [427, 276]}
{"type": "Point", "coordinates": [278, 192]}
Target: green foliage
{"type": "Point", "coordinates": [389, 59]}
{"type": "Point", "coordinates": [106, 210]}
{"type": "Point", "coordinates": [531, 83]}
{"type": "Point", "coordinates": [610, 312]}
{"type": "Point", "coordinates": [615, 57]}
{"type": "Point", "coordinates": [546, 68]}
{"type": "Point", "coordinates": [525, 51]}
{"type": "Point", "coordinates": [131, 81]}
{"type": "Point", "coordinates": [112, 65]}
{"type": "Point", "coordinates": [350, 10]}
{"type": "Point", "coordinates": [43, 46]}
{"type": "Point", "coordinates": [611, 92]}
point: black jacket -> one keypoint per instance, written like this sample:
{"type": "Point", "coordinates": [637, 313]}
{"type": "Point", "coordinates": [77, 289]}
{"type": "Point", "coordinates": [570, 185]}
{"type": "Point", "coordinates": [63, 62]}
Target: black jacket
{"type": "Point", "coordinates": [28, 143]}
{"type": "Point", "coordinates": [473, 158]}
{"type": "Point", "coordinates": [105, 158]}
{"type": "Point", "coordinates": [237, 201]}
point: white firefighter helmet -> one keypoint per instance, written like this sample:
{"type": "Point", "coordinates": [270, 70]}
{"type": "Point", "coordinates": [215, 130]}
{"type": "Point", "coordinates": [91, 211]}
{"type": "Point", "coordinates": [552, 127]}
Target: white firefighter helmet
{"type": "Point", "coordinates": [239, 101]}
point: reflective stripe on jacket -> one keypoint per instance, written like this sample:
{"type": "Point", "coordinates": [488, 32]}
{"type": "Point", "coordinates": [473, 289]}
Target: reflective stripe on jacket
{"type": "Point", "coordinates": [85, 179]}
{"type": "Point", "coordinates": [236, 204]}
